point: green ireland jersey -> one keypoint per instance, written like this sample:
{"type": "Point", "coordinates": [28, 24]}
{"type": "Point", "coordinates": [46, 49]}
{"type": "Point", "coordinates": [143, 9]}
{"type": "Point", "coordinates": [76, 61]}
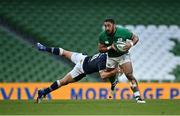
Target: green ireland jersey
{"type": "Point", "coordinates": [121, 34]}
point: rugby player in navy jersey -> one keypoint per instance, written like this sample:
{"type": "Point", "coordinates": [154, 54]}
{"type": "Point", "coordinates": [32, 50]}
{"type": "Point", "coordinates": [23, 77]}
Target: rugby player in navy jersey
{"type": "Point", "coordinates": [83, 65]}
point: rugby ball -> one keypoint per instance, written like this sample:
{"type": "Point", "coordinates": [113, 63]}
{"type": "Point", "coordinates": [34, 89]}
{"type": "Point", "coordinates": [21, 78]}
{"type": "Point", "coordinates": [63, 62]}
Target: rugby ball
{"type": "Point", "coordinates": [120, 46]}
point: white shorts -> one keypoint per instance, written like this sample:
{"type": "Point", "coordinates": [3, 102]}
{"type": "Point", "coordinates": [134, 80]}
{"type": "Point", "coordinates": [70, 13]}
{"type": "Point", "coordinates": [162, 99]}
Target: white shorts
{"type": "Point", "coordinates": [113, 62]}
{"type": "Point", "coordinates": [78, 59]}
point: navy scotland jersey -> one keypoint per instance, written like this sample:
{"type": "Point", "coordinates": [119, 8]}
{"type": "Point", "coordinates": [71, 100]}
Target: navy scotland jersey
{"type": "Point", "coordinates": [94, 63]}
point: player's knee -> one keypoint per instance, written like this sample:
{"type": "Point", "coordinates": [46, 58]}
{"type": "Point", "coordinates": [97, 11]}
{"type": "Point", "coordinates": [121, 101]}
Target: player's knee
{"type": "Point", "coordinates": [63, 82]}
{"type": "Point", "coordinates": [129, 76]}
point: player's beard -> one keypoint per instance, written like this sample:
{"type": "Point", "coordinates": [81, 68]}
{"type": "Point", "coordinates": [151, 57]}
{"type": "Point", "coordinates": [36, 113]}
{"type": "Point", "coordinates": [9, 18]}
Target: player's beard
{"type": "Point", "coordinates": [110, 33]}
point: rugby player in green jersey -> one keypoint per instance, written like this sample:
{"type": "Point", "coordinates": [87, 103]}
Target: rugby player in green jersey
{"type": "Point", "coordinates": [107, 41]}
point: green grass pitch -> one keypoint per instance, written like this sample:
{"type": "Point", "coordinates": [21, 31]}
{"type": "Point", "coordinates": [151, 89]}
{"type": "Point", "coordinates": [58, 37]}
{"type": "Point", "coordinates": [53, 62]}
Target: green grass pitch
{"type": "Point", "coordinates": [90, 107]}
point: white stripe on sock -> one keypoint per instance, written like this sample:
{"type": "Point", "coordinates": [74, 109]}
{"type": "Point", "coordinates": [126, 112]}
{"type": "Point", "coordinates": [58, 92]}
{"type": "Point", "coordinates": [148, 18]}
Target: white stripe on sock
{"type": "Point", "coordinates": [61, 51]}
{"type": "Point", "coordinates": [52, 49]}
{"type": "Point", "coordinates": [58, 82]}
{"type": "Point", "coordinates": [136, 94]}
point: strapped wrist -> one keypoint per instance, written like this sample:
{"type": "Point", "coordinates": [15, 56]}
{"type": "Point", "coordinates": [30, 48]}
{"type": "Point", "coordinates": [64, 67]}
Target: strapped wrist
{"type": "Point", "coordinates": [132, 44]}
{"type": "Point", "coordinates": [109, 47]}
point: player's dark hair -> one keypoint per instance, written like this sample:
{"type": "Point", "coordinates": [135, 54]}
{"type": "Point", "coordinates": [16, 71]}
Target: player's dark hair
{"type": "Point", "coordinates": [110, 20]}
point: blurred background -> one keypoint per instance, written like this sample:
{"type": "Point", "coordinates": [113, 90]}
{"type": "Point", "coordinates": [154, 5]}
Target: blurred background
{"type": "Point", "coordinates": [75, 25]}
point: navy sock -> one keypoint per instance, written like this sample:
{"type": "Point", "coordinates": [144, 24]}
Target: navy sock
{"type": "Point", "coordinates": [53, 87]}
{"type": "Point", "coordinates": [46, 91]}
{"type": "Point", "coordinates": [53, 50]}
{"type": "Point", "coordinates": [48, 49]}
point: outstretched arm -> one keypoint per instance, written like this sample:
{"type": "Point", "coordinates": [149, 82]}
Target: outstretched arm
{"type": "Point", "coordinates": [106, 74]}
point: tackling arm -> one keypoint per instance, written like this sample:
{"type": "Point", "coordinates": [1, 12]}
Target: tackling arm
{"type": "Point", "coordinates": [106, 74]}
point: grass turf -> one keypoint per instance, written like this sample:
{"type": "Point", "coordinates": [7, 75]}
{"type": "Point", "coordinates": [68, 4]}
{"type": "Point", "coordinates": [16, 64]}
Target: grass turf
{"type": "Point", "coordinates": [89, 107]}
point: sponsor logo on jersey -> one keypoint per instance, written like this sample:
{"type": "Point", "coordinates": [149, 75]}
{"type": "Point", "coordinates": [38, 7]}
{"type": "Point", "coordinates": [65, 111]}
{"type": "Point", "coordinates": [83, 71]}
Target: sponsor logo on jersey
{"type": "Point", "coordinates": [119, 40]}
{"type": "Point", "coordinates": [106, 42]}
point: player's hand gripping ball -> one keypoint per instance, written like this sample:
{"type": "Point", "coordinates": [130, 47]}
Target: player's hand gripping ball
{"type": "Point", "coordinates": [120, 46]}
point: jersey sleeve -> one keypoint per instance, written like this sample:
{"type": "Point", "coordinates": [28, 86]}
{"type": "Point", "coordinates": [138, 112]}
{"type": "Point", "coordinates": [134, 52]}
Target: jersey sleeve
{"type": "Point", "coordinates": [128, 34]}
{"type": "Point", "coordinates": [101, 39]}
